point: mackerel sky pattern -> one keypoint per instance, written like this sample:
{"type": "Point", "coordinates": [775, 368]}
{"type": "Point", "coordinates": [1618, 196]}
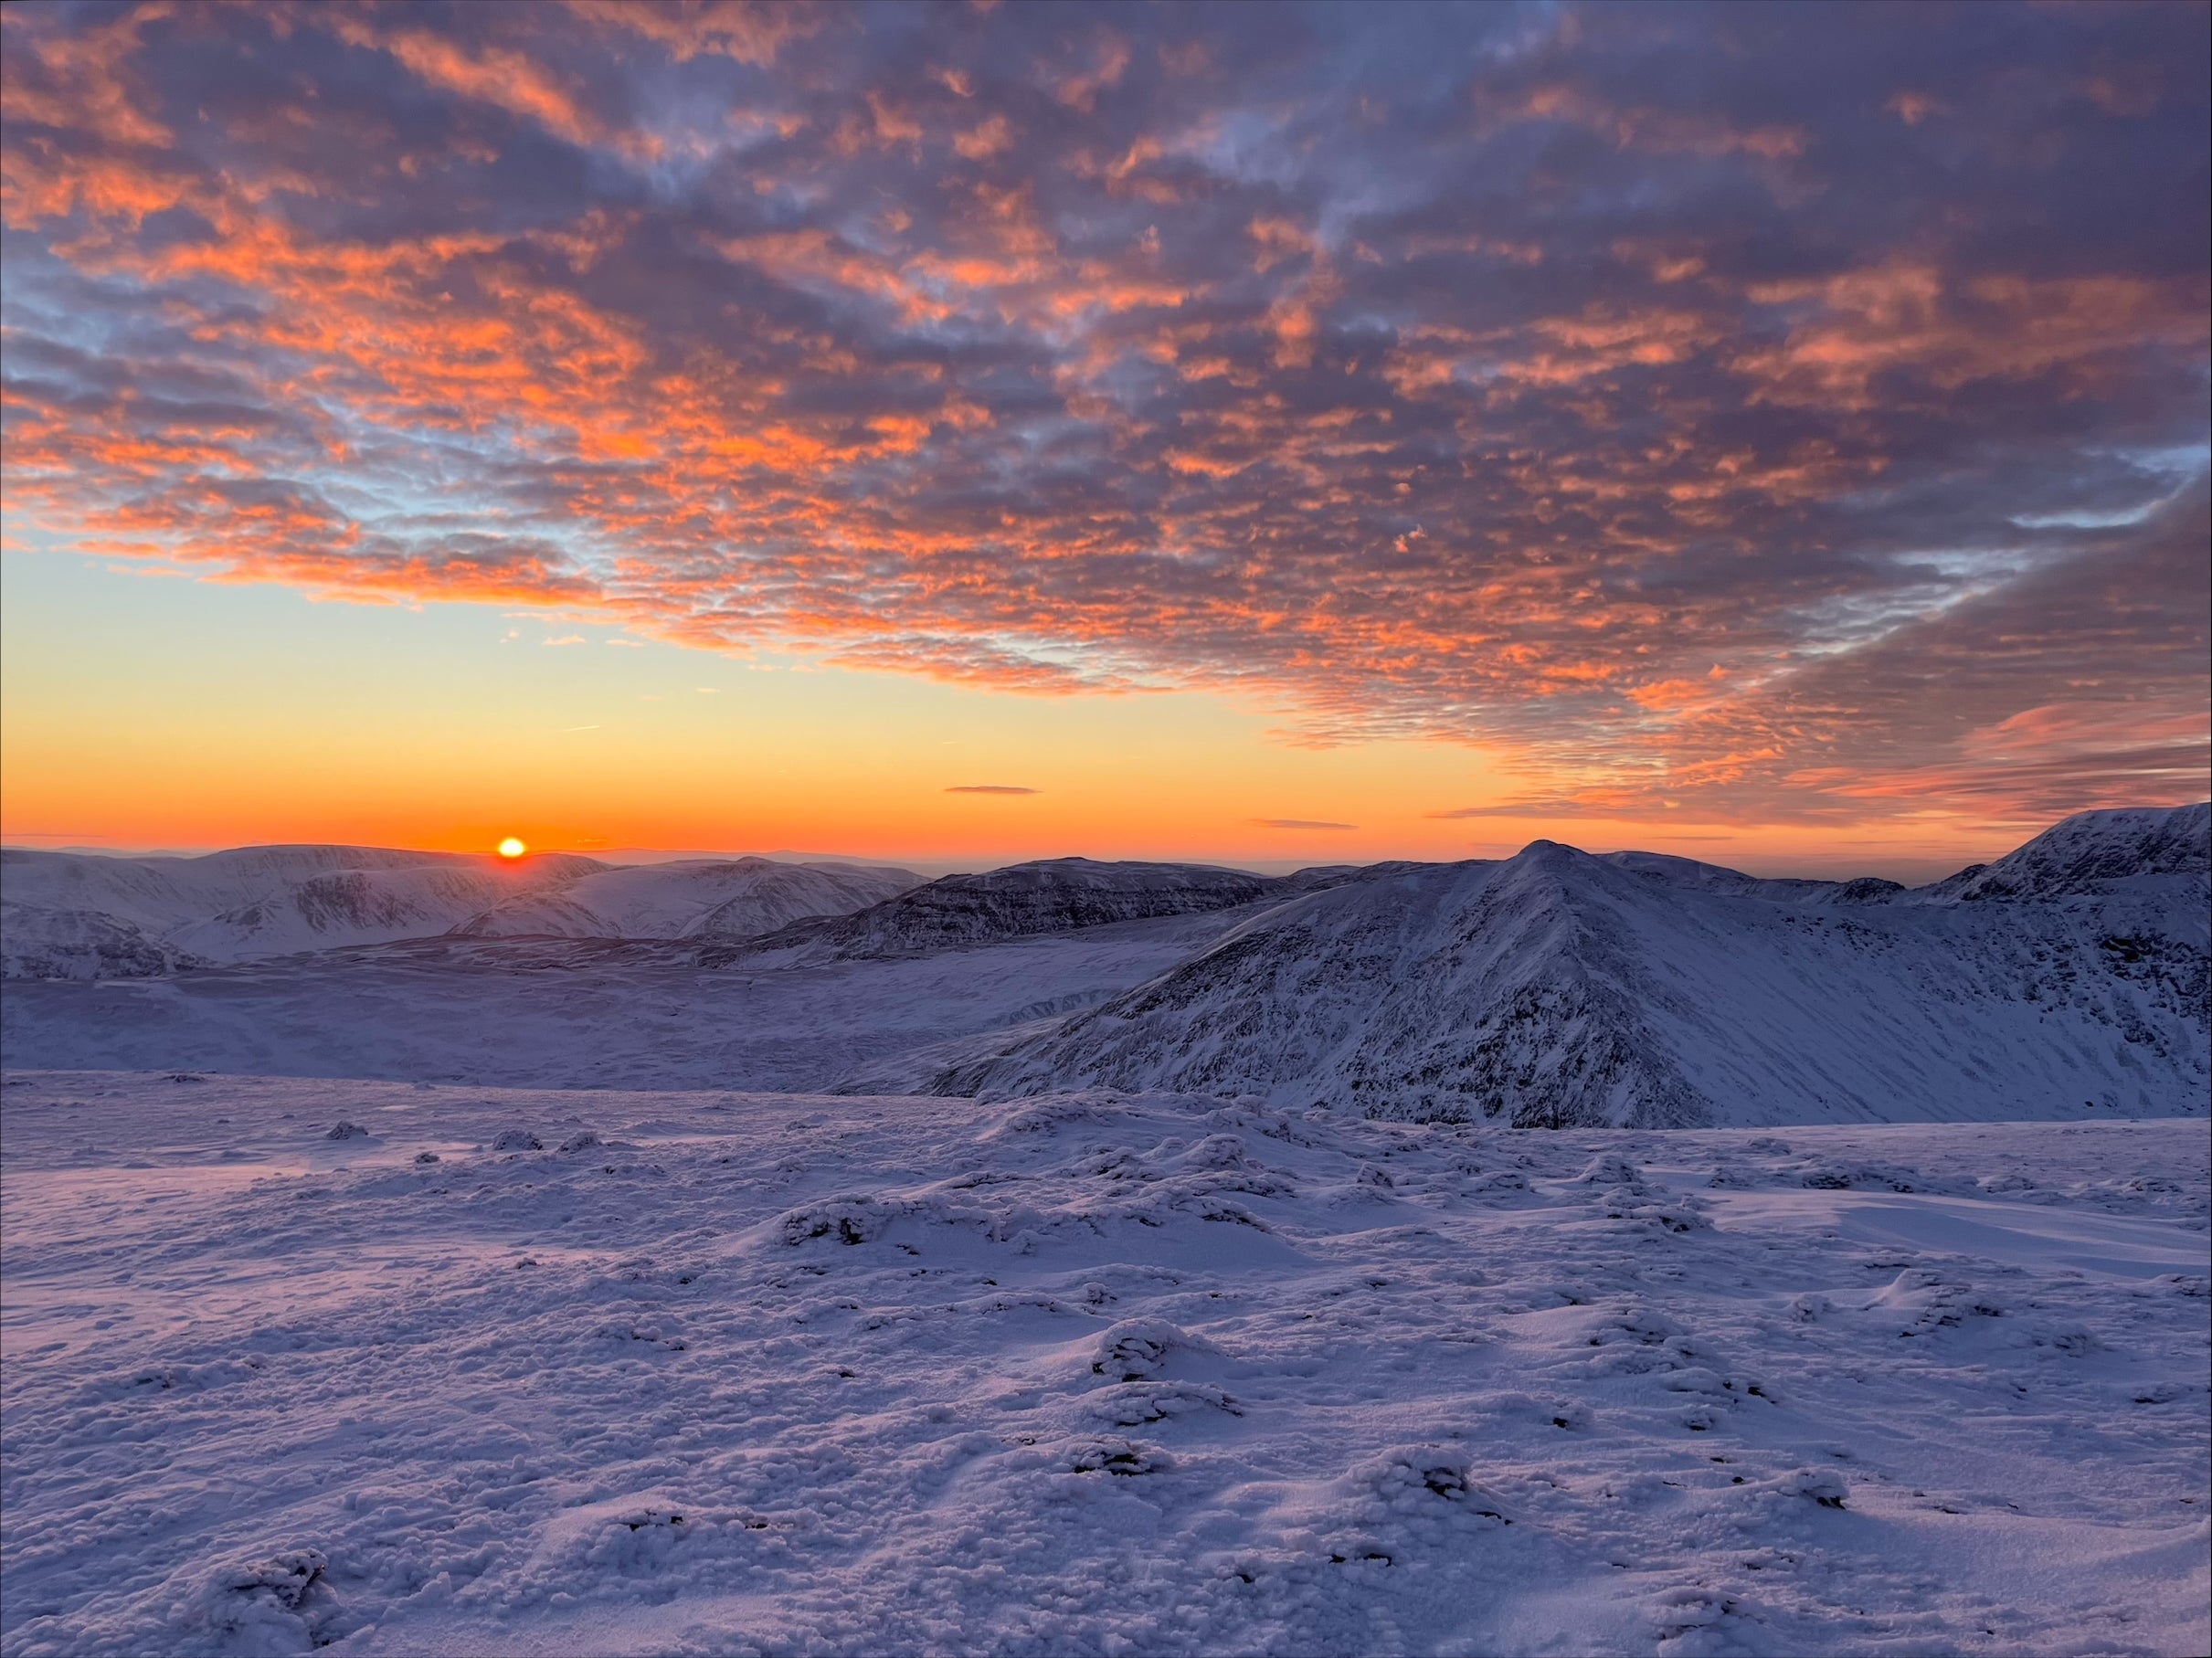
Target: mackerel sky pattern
{"type": "Point", "coordinates": [1770, 412]}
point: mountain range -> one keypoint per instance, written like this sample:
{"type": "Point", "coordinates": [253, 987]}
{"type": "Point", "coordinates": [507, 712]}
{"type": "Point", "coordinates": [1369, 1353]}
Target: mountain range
{"type": "Point", "coordinates": [1552, 988]}
{"type": "Point", "coordinates": [74, 916]}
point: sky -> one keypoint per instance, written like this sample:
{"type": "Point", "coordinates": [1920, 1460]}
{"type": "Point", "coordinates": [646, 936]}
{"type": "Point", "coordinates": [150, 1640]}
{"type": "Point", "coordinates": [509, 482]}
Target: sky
{"type": "Point", "coordinates": [1265, 434]}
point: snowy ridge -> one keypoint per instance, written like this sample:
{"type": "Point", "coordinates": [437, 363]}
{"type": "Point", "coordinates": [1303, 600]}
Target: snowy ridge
{"type": "Point", "coordinates": [1050, 895]}
{"type": "Point", "coordinates": [2096, 852]}
{"type": "Point", "coordinates": [1689, 872]}
{"type": "Point", "coordinates": [1559, 988]}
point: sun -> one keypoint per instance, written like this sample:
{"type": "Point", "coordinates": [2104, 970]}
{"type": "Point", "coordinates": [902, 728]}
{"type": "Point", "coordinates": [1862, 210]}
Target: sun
{"type": "Point", "coordinates": [511, 848]}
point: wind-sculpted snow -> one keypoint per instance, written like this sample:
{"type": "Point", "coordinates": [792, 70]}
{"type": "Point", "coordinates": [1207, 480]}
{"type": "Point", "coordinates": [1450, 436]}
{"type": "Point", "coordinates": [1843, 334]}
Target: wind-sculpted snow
{"type": "Point", "coordinates": [704, 898]}
{"type": "Point", "coordinates": [1053, 895]}
{"type": "Point", "coordinates": [1558, 989]}
{"type": "Point", "coordinates": [513, 1371]}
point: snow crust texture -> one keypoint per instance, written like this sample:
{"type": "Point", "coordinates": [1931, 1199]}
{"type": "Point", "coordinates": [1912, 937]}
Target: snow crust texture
{"type": "Point", "coordinates": [589, 1372]}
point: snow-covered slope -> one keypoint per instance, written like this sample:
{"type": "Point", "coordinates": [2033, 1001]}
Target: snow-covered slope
{"type": "Point", "coordinates": [388, 1369]}
{"type": "Point", "coordinates": [251, 902]}
{"type": "Point", "coordinates": [355, 906]}
{"type": "Point", "coordinates": [160, 894]}
{"type": "Point", "coordinates": [773, 895]}
{"type": "Point", "coordinates": [1559, 988]}
{"type": "Point", "coordinates": [86, 916]}
{"type": "Point", "coordinates": [1051, 895]}
{"type": "Point", "coordinates": [37, 942]}
{"type": "Point", "coordinates": [702, 898]}
{"type": "Point", "coordinates": [2134, 849]}
{"type": "Point", "coordinates": [588, 1012]}
{"type": "Point", "coordinates": [1714, 878]}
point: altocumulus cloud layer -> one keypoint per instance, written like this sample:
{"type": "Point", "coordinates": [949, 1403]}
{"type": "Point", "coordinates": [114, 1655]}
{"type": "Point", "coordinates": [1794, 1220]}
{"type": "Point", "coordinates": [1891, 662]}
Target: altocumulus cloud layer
{"type": "Point", "coordinates": [1771, 412]}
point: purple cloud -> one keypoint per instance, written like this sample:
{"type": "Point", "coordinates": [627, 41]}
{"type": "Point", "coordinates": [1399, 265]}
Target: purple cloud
{"type": "Point", "coordinates": [1770, 412]}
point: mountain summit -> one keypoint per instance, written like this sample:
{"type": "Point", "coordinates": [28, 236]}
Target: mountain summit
{"type": "Point", "coordinates": [1557, 988]}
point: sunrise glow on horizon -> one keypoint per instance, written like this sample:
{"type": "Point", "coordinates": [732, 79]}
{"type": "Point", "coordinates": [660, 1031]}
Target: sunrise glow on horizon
{"type": "Point", "coordinates": [1775, 435]}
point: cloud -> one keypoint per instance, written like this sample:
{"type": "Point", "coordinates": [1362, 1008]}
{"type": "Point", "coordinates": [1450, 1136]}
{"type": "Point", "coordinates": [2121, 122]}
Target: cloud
{"type": "Point", "coordinates": [1483, 376]}
{"type": "Point", "coordinates": [990, 788]}
{"type": "Point", "coordinates": [1299, 823]}
{"type": "Point", "coordinates": [566, 639]}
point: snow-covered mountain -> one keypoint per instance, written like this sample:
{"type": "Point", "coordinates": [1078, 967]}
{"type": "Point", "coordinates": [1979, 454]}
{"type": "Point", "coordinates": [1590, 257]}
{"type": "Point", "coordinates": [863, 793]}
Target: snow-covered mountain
{"type": "Point", "coordinates": [2067, 978]}
{"type": "Point", "coordinates": [153, 915]}
{"type": "Point", "coordinates": [2094, 854]}
{"type": "Point", "coordinates": [160, 893]}
{"type": "Point", "coordinates": [354, 906]}
{"type": "Point", "coordinates": [700, 898]}
{"type": "Point", "coordinates": [1051, 895]}
{"type": "Point", "coordinates": [1556, 988]}
{"type": "Point", "coordinates": [75, 916]}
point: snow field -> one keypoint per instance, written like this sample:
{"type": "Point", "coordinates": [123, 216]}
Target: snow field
{"type": "Point", "coordinates": [1088, 1373]}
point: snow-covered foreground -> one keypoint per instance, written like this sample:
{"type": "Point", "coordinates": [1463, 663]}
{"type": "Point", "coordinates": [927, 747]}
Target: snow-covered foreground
{"type": "Point", "coordinates": [1083, 1373]}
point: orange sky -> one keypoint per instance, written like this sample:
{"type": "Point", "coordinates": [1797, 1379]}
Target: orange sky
{"type": "Point", "coordinates": [1433, 428]}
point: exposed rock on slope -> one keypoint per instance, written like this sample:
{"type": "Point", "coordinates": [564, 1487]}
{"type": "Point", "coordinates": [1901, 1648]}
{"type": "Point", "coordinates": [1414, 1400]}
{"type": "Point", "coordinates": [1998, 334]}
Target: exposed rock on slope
{"type": "Point", "coordinates": [40, 943]}
{"type": "Point", "coordinates": [1053, 895]}
{"type": "Point", "coordinates": [1560, 988]}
